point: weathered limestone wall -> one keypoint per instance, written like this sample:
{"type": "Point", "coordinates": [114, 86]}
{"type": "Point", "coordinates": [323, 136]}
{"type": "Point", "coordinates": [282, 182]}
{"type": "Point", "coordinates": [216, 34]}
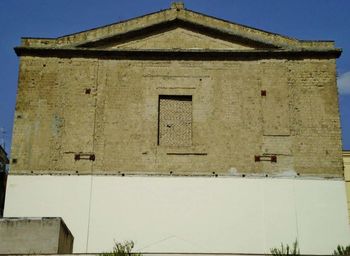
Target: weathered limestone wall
{"type": "Point", "coordinates": [108, 109]}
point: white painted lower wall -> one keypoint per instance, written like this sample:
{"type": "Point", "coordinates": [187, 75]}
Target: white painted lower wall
{"type": "Point", "coordinates": [187, 214]}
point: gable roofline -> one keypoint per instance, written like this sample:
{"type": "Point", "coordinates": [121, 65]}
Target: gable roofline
{"type": "Point", "coordinates": [175, 14]}
{"type": "Point", "coordinates": [173, 24]}
{"type": "Point", "coordinates": [110, 24]}
{"type": "Point", "coordinates": [188, 10]}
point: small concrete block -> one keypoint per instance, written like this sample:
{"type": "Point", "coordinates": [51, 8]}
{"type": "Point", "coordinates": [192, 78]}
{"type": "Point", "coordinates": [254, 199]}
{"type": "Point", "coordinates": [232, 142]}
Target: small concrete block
{"type": "Point", "coordinates": [34, 236]}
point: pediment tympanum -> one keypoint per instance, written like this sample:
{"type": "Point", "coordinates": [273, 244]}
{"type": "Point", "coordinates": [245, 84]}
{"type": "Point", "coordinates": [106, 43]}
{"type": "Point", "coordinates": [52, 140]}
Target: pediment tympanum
{"type": "Point", "coordinates": [178, 38]}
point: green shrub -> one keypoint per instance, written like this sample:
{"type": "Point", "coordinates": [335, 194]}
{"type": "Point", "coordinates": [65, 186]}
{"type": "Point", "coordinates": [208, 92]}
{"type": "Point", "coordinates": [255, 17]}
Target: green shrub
{"type": "Point", "coordinates": [121, 249]}
{"type": "Point", "coordinates": [341, 250]}
{"type": "Point", "coordinates": [286, 250]}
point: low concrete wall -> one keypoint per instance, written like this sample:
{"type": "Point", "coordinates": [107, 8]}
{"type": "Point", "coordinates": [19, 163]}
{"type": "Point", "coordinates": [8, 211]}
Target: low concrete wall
{"type": "Point", "coordinates": [188, 214]}
{"type": "Point", "coordinates": [34, 235]}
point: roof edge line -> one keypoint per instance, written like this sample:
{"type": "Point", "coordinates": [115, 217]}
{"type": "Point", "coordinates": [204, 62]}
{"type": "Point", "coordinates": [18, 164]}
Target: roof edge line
{"type": "Point", "coordinates": [114, 23]}
{"type": "Point", "coordinates": [245, 26]}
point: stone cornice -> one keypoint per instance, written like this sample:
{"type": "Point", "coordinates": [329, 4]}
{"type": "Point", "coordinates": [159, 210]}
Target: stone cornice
{"type": "Point", "coordinates": [182, 54]}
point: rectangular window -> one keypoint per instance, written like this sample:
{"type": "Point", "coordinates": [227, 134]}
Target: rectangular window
{"type": "Point", "coordinates": [175, 120]}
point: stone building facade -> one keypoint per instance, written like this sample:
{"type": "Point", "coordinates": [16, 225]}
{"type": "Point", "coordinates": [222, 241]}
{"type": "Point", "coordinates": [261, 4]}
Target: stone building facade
{"type": "Point", "coordinates": [171, 102]}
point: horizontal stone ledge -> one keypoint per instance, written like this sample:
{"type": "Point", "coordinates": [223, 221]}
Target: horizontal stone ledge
{"type": "Point", "coordinates": [181, 54]}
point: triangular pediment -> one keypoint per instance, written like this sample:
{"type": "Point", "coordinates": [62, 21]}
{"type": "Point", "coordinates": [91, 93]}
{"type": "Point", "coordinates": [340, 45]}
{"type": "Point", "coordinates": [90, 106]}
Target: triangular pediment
{"type": "Point", "coordinates": [177, 34]}
{"type": "Point", "coordinates": [177, 38]}
{"type": "Point", "coordinates": [176, 28]}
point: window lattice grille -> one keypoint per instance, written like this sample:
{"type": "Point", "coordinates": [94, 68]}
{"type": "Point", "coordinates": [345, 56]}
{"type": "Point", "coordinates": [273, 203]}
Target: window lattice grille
{"type": "Point", "coordinates": [175, 120]}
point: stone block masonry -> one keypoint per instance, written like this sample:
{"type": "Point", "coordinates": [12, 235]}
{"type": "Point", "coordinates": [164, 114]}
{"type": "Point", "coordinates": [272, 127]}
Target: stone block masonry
{"type": "Point", "coordinates": [107, 111]}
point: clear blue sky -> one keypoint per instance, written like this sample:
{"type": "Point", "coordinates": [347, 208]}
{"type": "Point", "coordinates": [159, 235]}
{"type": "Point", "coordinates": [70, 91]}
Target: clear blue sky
{"type": "Point", "coordinates": [302, 19]}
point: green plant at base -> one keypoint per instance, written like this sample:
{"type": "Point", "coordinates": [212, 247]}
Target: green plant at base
{"type": "Point", "coordinates": [286, 250]}
{"type": "Point", "coordinates": [341, 250]}
{"type": "Point", "coordinates": [121, 249]}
